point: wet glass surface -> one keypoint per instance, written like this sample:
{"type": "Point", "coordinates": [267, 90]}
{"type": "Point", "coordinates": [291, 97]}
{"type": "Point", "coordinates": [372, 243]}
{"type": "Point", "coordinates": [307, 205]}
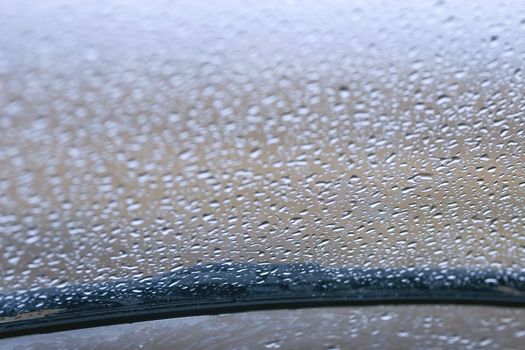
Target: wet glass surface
{"type": "Point", "coordinates": [141, 139]}
{"type": "Point", "coordinates": [373, 327]}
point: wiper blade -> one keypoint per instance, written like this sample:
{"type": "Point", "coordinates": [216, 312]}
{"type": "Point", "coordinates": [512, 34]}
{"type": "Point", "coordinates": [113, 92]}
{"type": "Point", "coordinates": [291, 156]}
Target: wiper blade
{"type": "Point", "coordinates": [228, 287]}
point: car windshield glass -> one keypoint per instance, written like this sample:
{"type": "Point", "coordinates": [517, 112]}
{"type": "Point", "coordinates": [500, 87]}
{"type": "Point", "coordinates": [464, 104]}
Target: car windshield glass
{"type": "Point", "coordinates": [196, 157]}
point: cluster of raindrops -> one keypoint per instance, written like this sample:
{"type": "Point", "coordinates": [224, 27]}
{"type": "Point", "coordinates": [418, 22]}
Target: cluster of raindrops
{"type": "Point", "coordinates": [138, 137]}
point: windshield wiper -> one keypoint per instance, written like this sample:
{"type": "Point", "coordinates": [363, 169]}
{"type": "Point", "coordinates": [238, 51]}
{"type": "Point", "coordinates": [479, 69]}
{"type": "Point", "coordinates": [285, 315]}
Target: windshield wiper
{"type": "Point", "coordinates": [235, 287]}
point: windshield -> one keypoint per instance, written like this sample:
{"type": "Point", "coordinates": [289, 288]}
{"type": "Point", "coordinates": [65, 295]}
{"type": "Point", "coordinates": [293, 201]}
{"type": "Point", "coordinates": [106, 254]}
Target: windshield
{"type": "Point", "coordinates": [199, 157]}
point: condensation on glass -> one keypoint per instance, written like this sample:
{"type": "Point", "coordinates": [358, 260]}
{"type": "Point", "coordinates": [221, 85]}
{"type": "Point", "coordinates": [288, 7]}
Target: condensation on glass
{"type": "Point", "coordinates": [138, 138]}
